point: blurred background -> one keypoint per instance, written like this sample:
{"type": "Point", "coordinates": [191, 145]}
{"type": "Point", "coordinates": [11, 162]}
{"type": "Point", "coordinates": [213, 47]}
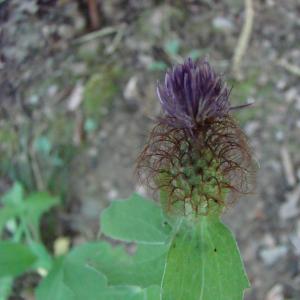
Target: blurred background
{"type": "Point", "coordinates": [77, 99]}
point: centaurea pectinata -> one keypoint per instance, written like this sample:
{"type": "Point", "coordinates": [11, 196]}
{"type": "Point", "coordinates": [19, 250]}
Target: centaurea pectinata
{"type": "Point", "coordinates": [196, 154]}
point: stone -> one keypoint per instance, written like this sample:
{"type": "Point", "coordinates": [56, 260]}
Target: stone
{"type": "Point", "coordinates": [222, 24]}
{"type": "Point", "coordinates": [270, 255]}
{"type": "Point", "coordinates": [275, 293]}
{"type": "Point", "coordinates": [130, 91]}
{"type": "Point", "coordinates": [289, 208]}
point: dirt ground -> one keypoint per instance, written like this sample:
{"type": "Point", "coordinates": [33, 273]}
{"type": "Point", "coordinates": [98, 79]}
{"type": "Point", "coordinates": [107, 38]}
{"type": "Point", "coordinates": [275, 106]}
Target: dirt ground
{"type": "Point", "coordinates": [77, 104]}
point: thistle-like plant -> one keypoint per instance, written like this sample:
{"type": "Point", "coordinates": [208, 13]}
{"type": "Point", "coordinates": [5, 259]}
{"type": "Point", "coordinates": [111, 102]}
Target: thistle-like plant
{"type": "Point", "coordinates": [197, 156]}
{"type": "Point", "coordinates": [198, 161]}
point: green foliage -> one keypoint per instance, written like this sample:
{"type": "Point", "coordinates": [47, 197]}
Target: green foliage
{"type": "Point", "coordinates": [144, 268]}
{"type": "Point", "coordinates": [5, 287]}
{"type": "Point", "coordinates": [195, 54]}
{"type": "Point", "coordinates": [203, 261]}
{"type": "Point", "coordinates": [111, 272]}
{"type": "Point", "coordinates": [196, 259]}
{"type": "Point", "coordinates": [15, 258]}
{"type": "Point", "coordinates": [90, 125]}
{"type": "Point", "coordinates": [136, 219]}
{"type": "Point", "coordinates": [21, 215]}
{"type": "Point", "coordinates": [42, 145]}
{"type": "Point", "coordinates": [25, 210]}
{"type": "Point", "coordinates": [76, 277]}
{"type": "Point", "coordinates": [186, 259]}
{"type": "Point", "coordinates": [172, 47]}
{"type": "Point", "coordinates": [157, 66]}
{"type": "Point", "coordinates": [209, 262]}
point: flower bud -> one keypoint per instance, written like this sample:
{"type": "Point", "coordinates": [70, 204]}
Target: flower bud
{"type": "Point", "coordinates": [196, 156]}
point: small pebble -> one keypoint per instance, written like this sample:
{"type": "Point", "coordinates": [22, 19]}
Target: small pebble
{"type": "Point", "coordinates": [222, 24]}
{"type": "Point", "coordinates": [271, 255]}
{"type": "Point", "coordinates": [289, 209]}
{"type": "Point", "coordinates": [112, 194]}
{"type": "Point", "coordinates": [275, 293]}
{"type": "Point", "coordinates": [291, 95]}
{"type": "Point", "coordinates": [141, 190]}
{"type": "Point", "coordinates": [252, 127]}
{"type": "Point", "coordinates": [295, 240]}
{"type": "Point", "coordinates": [130, 91]}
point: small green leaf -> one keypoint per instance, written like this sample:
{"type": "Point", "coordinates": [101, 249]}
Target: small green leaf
{"type": "Point", "coordinates": [6, 213]}
{"type": "Point", "coordinates": [172, 47]}
{"type": "Point", "coordinates": [15, 258]}
{"type": "Point", "coordinates": [39, 203]}
{"type": "Point", "coordinates": [14, 196]}
{"type": "Point", "coordinates": [44, 259]}
{"type": "Point", "coordinates": [35, 205]}
{"type": "Point", "coordinates": [195, 54]}
{"type": "Point", "coordinates": [43, 145]}
{"type": "Point", "coordinates": [90, 125]}
{"type": "Point", "coordinates": [204, 263]}
{"type": "Point", "coordinates": [135, 219]}
{"type": "Point", "coordinates": [157, 66]}
{"type": "Point", "coordinates": [5, 287]}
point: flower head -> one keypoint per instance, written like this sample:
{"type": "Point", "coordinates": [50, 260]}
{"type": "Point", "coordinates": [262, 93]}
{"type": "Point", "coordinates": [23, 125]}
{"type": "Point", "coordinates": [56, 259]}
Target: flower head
{"type": "Point", "coordinates": [193, 93]}
{"type": "Point", "coordinates": [196, 153]}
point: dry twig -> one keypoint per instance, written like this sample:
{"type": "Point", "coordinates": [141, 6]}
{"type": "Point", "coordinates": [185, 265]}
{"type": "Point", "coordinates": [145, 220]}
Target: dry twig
{"type": "Point", "coordinates": [287, 166]}
{"type": "Point", "coordinates": [295, 70]}
{"type": "Point", "coordinates": [243, 38]}
{"type": "Point", "coordinates": [93, 14]}
{"type": "Point", "coordinates": [96, 34]}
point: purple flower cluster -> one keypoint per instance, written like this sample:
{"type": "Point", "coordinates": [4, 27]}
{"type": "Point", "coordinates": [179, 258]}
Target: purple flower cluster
{"type": "Point", "coordinates": [193, 93]}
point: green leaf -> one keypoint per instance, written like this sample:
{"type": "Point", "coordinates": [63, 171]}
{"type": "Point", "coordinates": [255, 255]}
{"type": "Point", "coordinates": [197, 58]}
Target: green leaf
{"type": "Point", "coordinates": [195, 54]}
{"type": "Point", "coordinates": [135, 219]}
{"type": "Point", "coordinates": [5, 287]}
{"type": "Point", "coordinates": [6, 213]}
{"type": "Point", "coordinates": [151, 293]}
{"type": "Point", "coordinates": [35, 205]}
{"type": "Point", "coordinates": [204, 263]}
{"type": "Point", "coordinates": [43, 145]}
{"type": "Point", "coordinates": [44, 259]}
{"type": "Point", "coordinates": [15, 258]}
{"type": "Point", "coordinates": [83, 281]}
{"type": "Point", "coordinates": [14, 196]}
{"type": "Point", "coordinates": [90, 125]}
{"type": "Point", "coordinates": [157, 66]}
{"type": "Point", "coordinates": [39, 203]}
{"type": "Point", "coordinates": [172, 47]}
{"type": "Point", "coordinates": [87, 283]}
{"type": "Point", "coordinates": [74, 279]}
{"type": "Point", "coordinates": [144, 268]}
{"type": "Point", "coordinates": [52, 287]}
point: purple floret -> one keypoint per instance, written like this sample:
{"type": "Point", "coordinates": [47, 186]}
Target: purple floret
{"type": "Point", "coordinates": [193, 93]}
